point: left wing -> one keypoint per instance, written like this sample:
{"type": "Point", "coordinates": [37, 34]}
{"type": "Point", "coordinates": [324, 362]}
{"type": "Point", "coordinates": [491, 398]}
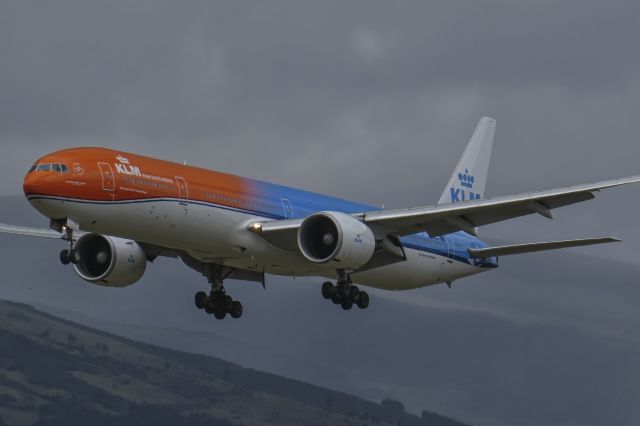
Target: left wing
{"type": "Point", "coordinates": [447, 218]}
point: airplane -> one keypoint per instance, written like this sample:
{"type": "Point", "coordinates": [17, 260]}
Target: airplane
{"type": "Point", "coordinates": [118, 211]}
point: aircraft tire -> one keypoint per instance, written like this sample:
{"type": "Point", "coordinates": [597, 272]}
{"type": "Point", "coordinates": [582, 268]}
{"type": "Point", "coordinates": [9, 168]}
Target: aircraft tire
{"type": "Point", "coordinates": [354, 292]}
{"type": "Point", "coordinates": [236, 309]}
{"type": "Point", "coordinates": [346, 305]}
{"type": "Point", "coordinates": [201, 299]}
{"type": "Point", "coordinates": [74, 256]}
{"type": "Point", "coordinates": [363, 300]}
{"type": "Point", "coordinates": [328, 290]}
{"type": "Point", "coordinates": [219, 314]}
{"type": "Point", "coordinates": [227, 304]}
{"type": "Point", "coordinates": [65, 259]}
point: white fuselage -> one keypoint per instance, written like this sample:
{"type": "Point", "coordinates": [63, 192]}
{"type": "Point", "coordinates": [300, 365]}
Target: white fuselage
{"type": "Point", "coordinates": [212, 234]}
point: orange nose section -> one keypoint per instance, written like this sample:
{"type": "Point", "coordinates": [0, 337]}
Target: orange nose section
{"type": "Point", "coordinates": [30, 184]}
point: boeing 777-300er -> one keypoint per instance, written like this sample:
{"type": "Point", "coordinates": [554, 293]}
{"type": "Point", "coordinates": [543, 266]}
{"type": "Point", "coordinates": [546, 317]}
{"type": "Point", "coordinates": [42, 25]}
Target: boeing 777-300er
{"type": "Point", "coordinates": [118, 211]}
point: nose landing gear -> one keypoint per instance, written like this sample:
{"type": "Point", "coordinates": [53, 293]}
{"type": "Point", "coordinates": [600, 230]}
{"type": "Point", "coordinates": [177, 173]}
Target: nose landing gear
{"type": "Point", "coordinates": [69, 255]}
{"type": "Point", "coordinates": [345, 293]}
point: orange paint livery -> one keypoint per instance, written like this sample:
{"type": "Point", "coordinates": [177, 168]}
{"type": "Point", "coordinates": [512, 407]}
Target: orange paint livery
{"type": "Point", "coordinates": [100, 174]}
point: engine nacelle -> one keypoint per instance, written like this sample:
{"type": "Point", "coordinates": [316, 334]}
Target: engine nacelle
{"type": "Point", "coordinates": [336, 239]}
{"type": "Point", "coordinates": [109, 261]}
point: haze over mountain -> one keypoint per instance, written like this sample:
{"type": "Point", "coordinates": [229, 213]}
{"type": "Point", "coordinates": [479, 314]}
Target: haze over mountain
{"type": "Point", "coordinates": [55, 372]}
{"type": "Point", "coordinates": [545, 339]}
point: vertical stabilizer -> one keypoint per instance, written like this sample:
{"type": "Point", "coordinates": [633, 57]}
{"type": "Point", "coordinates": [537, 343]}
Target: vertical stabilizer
{"type": "Point", "coordinates": [470, 176]}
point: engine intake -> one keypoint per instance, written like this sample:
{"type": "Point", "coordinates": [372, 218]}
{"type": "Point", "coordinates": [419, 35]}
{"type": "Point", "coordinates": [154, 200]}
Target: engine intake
{"type": "Point", "coordinates": [337, 239]}
{"type": "Point", "coordinates": [109, 261]}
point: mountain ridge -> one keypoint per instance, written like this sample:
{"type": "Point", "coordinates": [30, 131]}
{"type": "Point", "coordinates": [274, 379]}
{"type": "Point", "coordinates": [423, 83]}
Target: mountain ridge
{"type": "Point", "coordinates": [54, 371]}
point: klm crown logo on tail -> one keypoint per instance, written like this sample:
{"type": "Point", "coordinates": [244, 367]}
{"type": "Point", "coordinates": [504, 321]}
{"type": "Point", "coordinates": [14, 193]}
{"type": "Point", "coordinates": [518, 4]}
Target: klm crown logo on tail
{"type": "Point", "coordinates": [468, 181]}
{"type": "Point", "coordinates": [460, 194]}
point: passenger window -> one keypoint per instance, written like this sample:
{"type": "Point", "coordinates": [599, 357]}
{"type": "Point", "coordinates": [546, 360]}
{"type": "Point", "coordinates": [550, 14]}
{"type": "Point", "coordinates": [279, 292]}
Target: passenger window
{"type": "Point", "coordinates": [56, 168]}
{"type": "Point", "coordinates": [44, 167]}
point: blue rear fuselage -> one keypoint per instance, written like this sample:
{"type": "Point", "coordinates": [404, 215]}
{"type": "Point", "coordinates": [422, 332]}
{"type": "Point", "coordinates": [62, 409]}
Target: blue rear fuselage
{"type": "Point", "coordinates": [283, 202]}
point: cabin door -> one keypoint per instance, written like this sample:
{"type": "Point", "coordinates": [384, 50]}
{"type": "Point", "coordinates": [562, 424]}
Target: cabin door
{"type": "Point", "coordinates": [450, 249]}
{"type": "Point", "coordinates": [288, 209]}
{"type": "Point", "coordinates": [108, 180]}
{"type": "Point", "coordinates": [183, 193]}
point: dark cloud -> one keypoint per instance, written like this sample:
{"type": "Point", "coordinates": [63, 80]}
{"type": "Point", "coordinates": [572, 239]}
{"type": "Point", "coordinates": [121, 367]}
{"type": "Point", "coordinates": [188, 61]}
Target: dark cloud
{"type": "Point", "coordinates": [316, 94]}
{"type": "Point", "coordinates": [369, 100]}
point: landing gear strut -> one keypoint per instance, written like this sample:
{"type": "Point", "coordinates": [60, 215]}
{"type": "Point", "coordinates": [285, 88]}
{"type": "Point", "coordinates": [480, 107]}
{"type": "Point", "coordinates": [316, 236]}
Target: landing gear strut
{"type": "Point", "coordinates": [69, 255]}
{"type": "Point", "coordinates": [217, 302]}
{"type": "Point", "coordinates": [344, 293]}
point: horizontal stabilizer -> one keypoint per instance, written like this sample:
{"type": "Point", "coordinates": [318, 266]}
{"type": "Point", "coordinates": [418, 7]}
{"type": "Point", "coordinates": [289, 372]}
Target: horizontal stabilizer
{"type": "Point", "coordinates": [534, 247]}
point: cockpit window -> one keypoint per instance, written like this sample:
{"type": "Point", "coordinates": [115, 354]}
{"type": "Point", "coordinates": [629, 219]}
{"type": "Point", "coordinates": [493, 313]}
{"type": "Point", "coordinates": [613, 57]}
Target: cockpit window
{"type": "Point", "coordinates": [44, 167]}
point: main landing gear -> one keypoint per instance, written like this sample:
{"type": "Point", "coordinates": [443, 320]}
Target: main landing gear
{"type": "Point", "coordinates": [217, 302]}
{"type": "Point", "coordinates": [345, 294]}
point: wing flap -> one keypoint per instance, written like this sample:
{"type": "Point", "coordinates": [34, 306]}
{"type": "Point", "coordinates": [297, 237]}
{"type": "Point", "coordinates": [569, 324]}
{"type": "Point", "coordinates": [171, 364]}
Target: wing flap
{"type": "Point", "coordinates": [535, 247]}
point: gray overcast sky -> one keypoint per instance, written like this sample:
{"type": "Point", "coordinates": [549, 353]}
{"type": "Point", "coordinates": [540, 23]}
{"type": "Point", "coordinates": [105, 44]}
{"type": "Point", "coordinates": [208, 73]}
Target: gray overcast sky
{"type": "Point", "coordinates": [368, 100]}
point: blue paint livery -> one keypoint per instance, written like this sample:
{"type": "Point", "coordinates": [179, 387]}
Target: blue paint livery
{"type": "Point", "coordinates": [304, 203]}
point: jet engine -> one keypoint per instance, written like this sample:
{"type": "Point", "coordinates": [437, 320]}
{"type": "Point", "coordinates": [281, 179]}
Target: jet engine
{"type": "Point", "coordinates": [336, 239]}
{"type": "Point", "coordinates": [109, 261]}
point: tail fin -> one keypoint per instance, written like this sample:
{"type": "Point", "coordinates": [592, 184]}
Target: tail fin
{"type": "Point", "coordinates": [470, 177]}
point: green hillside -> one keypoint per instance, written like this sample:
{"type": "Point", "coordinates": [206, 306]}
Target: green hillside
{"type": "Point", "coordinates": [55, 372]}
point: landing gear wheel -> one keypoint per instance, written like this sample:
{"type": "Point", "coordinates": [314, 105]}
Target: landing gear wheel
{"type": "Point", "coordinates": [328, 290]}
{"type": "Point", "coordinates": [65, 258]}
{"type": "Point", "coordinates": [236, 310]}
{"type": "Point", "coordinates": [218, 302]}
{"type": "Point", "coordinates": [354, 292]}
{"type": "Point", "coordinates": [201, 299]}
{"type": "Point", "coordinates": [74, 256]}
{"type": "Point", "coordinates": [227, 303]}
{"type": "Point", "coordinates": [345, 293]}
{"type": "Point", "coordinates": [363, 300]}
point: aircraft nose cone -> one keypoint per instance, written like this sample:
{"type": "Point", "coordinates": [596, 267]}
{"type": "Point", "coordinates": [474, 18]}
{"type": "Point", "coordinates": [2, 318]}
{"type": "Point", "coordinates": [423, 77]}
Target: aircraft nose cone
{"type": "Point", "coordinates": [35, 183]}
{"type": "Point", "coordinates": [30, 184]}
